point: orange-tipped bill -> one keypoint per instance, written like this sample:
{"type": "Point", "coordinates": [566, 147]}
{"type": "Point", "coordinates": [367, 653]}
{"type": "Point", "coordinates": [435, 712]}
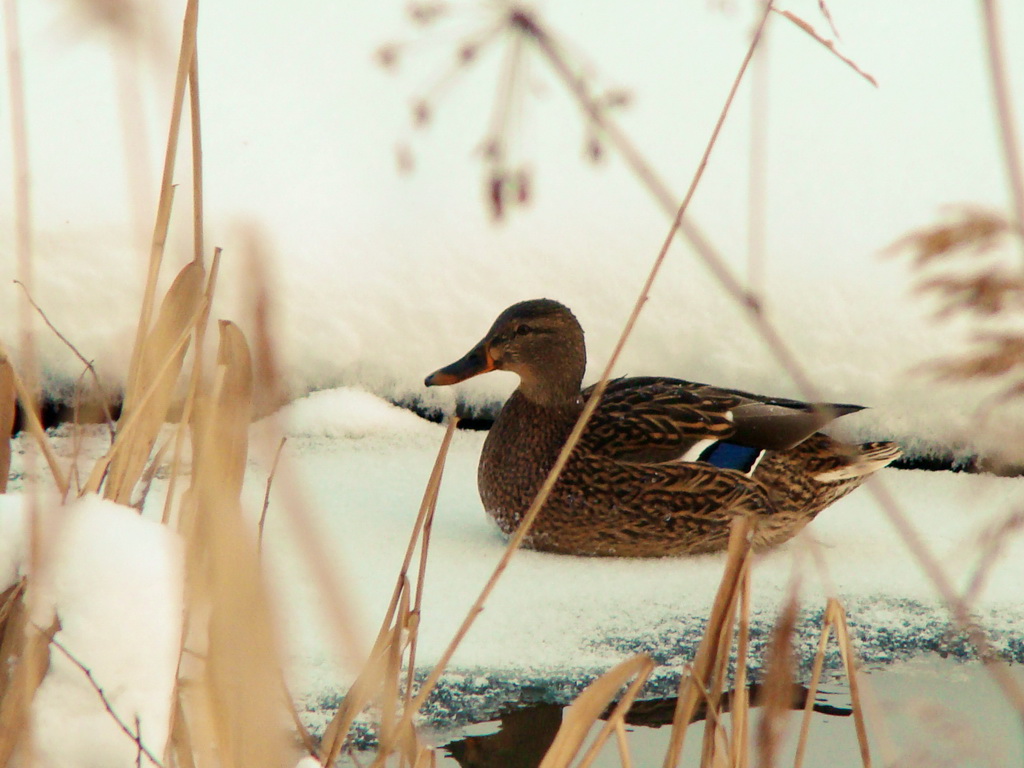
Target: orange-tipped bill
{"type": "Point", "coordinates": [478, 360]}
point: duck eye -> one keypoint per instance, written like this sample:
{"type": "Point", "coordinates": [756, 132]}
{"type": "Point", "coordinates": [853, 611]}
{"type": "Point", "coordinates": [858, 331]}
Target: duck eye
{"type": "Point", "coordinates": [524, 329]}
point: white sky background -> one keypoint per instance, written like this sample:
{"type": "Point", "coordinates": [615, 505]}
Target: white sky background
{"type": "Point", "coordinates": [380, 278]}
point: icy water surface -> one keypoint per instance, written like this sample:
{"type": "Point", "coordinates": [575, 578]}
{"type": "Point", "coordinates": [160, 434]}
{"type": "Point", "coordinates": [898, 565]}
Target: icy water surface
{"type": "Point", "coordinates": [931, 711]}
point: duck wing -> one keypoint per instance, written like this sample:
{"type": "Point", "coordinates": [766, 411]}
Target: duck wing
{"type": "Point", "coordinates": [655, 420]}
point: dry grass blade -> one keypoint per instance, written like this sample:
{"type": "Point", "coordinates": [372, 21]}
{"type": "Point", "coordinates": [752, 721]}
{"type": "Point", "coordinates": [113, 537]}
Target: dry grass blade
{"type": "Point", "coordinates": [163, 215]}
{"type": "Point", "coordinates": [581, 715]}
{"type": "Point", "coordinates": [850, 664]}
{"type": "Point", "coordinates": [11, 622]}
{"type": "Point", "coordinates": [26, 658]}
{"type": "Point", "coordinates": [828, 44]}
{"type": "Point", "coordinates": [159, 366]}
{"type": "Point", "coordinates": [704, 662]}
{"type": "Point", "coordinates": [233, 699]}
{"type": "Point", "coordinates": [741, 700]}
{"type": "Point", "coordinates": [617, 719]}
{"type": "Point", "coordinates": [778, 685]}
{"type": "Point", "coordinates": [932, 568]}
{"type": "Point", "coordinates": [8, 410]}
{"type": "Point", "coordinates": [1004, 109]}
{"type": "Point", "coordinates": [389, 735]}
{"type": "Point", "coordinates": [812, 687]}
{"type": "Point", "coordinates": [622, 742]}
{"type": "Point", "coordinates": [395, 622]}
{"type": "Point", "coordinates": [195, 384]}
{"type": "Point", "coordinates": [35, 426]}
{"type": "Point", "coordinates": [356, 699]}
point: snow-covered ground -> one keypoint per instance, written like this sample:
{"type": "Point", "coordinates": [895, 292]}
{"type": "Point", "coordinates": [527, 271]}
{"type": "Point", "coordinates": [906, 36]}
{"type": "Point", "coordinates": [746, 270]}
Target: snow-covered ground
{"type": "Point", "coordinates": [555, 621]}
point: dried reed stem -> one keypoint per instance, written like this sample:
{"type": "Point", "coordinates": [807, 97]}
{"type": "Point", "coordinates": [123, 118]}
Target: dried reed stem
{"type": "Point", "coordinates": [139, 409]}
{"type": "Point", "coordinates": [22, 185]}
{"type": "Point", "coordinates": [741, 705]}
{"type": "Point", "coordinates": [163, 216]}
{"type": "Point", "coordinates": [849, 662]}
{"type": "Point", "coordinates": [197, 158]}
{"type": "Point", "coordinates": [35, 427]}
{"type": "Point", "coordinates": [960, 611]}
{"type": "Point", "coordinates": [1004, 112]}
{"type": "Point", "coordinates": [724, 604]}
{"type": "Point", "coordinates": [812, 687]}
{"type": "Point", "coordinates": [617, 717]}
{"type": "Point", "coordinates": [8, 412]}
{"type": "Point", "coordinates": [579, 716]}
{"type": "Point", "coordinates": [195, 383]}
{"type": "Point", "coordinates": [390, 631]}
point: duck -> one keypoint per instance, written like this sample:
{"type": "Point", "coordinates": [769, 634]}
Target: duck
{"type": "Point", "coordinates": [663, 466]}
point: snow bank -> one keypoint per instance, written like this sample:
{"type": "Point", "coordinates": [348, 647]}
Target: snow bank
{"type": "Point", "coordinates": [348, 413]}
{"type": "Point", "coordinates": [379, 278]}
{"type": "Point", "coordinates": [114, 581]}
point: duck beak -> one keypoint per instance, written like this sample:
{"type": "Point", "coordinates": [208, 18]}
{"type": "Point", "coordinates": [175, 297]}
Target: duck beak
{"type": "Point", "coordinates": [478, 360]}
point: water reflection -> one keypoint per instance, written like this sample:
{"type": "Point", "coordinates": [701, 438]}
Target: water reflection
{"type": "Point", "coordinates": [525, 734]}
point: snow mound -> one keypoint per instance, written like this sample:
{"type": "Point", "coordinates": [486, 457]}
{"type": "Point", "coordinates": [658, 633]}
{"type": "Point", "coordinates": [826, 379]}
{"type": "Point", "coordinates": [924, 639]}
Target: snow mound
{"type": "Point", "coordinates": [349, 413]}
{"type": "Point", "coordinates": [114, 580]}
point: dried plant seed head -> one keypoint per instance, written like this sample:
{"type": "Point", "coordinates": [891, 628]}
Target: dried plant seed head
{"type": "Point", "coordinates": [492, 150]}
{"type": "Point", "coordinates": [387, 56]}
{"type": "Point", "coordinates": [496, 191]}
{"type": "Point", "coordinates": [972, 228]}
{"type": "Point", "coordinates": [523, 181]}
{"type": "Point", "coordinates": [594, 149]}
{"type": "Point", "coordinates": [421, 113]}
{"type": "Point", "coordinates": [425, 13]}
{"type": "Point", "coordinates": [405, 161]}
{"type": "Point", "coordinates": [468, 53]}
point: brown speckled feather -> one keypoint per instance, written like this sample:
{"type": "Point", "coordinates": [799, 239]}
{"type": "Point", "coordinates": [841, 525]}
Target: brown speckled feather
{"type": "Point", "coordinates": [626, 489]}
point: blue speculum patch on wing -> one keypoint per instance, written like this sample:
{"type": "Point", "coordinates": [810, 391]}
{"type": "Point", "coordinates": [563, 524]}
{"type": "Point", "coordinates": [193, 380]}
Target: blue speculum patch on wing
{"type": "Point", "coordinates": [726, 455]}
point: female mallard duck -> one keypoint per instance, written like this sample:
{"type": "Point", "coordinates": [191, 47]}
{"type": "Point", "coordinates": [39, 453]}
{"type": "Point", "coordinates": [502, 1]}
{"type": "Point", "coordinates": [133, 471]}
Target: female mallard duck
{"type": "Point", "coordinates": [663, 464]}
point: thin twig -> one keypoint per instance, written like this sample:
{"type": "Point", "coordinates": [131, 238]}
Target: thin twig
{"type": "Point", "coordinates": [830, 45]}
{"type": "Point", "coordinates": [88, 364]}
{"type": "Point", "coordinates": [103, 696]}
{"type": "Point", "coordinates": [266, 495]}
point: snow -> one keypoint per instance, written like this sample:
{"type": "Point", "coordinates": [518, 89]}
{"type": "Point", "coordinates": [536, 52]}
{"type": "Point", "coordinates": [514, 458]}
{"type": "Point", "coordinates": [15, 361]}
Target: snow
{"type": "Point", "coordinates": [552, 623]}
{"type": "Point", "coordinates": [114, 581]}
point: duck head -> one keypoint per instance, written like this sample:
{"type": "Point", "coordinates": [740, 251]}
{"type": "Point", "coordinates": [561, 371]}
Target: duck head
{"type": "Point", "coordinates": [540, 340]}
